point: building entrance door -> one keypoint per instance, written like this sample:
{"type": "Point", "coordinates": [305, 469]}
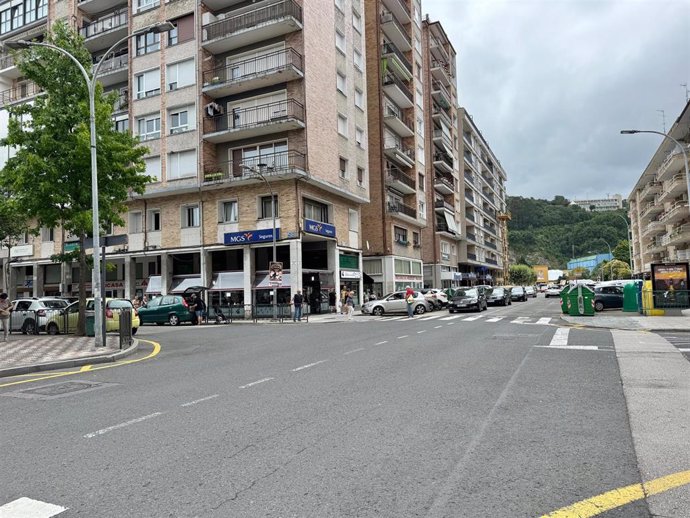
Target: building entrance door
{"type": "Point", "coordinates": [312, 291]}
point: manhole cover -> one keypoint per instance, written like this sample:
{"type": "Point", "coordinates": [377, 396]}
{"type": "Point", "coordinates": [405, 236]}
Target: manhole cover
{"type": "Point", "coordinates": [57, 390]}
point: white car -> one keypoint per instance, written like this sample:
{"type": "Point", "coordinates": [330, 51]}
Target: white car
{"type": "Point", "coordinates": [553, 291]}
{"type": "Point", "coordinates": [396, 303]}
{"type": "Point", "coordinates": [531, 292]}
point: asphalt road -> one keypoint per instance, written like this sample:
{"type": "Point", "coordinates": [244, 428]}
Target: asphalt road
{"type": "Point", "coordinates": [429, 417]}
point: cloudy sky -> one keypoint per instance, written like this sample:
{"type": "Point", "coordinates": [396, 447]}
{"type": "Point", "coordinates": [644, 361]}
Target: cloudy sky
{"type": "Point", "coordinates": [551, 82]}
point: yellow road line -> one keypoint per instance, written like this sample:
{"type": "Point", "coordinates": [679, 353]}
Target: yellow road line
{"type": "Point", "coordinates": [156, 350]}
{"type": "Point", "coordinates": [85, 368]}
{"type": "Point", "coordinates": [622, 496]}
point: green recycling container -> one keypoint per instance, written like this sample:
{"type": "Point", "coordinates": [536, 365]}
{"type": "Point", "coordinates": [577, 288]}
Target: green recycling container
{"type": "Point", "coordinates": [630, 298]}
{"type": "Point", "coordinates": [580, 301]}
{"type": "Point", "coordinates": [564, 299]}
{"type": "Point", "coordinates": [90, 325]}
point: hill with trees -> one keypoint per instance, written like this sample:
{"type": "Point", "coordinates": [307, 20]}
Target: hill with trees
{"type": "Point", "coordinates": [553, 232]}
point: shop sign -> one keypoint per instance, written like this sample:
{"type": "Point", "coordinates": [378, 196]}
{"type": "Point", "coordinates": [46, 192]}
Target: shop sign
{"type": "Point", "coordinates": [141, 283]}
{"type": "Point", "coordinates": [250, 236]}
{"type": "Point", "coordinates": [22, 251]}
{"type": "Point", "coordinates": [114, 285]}
{"type": "Point", "coordinates": [317, 227]}
{"type": "Point", "coordinates": [407, 277]}
{"type": "Point", "coordinates": [275, 276]}
{"type": "Point", "coordinates": [348, 274]}
{"type": "Point", "coordinates": [71, 247]}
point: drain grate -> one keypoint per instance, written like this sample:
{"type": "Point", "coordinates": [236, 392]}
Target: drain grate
{"type": "Point", "coordinates": [58, 390]}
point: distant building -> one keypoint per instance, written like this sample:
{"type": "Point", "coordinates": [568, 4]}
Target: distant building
{"type": "Point", "coordinates": [590, 262]}
{"type": "Point", "coordinates": [612, 202]}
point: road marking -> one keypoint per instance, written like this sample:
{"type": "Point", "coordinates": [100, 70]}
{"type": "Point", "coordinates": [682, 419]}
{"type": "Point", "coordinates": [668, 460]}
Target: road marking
{"type": "Point", "coordinates": [622, 496]}
{"type": "Point", "coordinates": [122, 425]}
{"type": "Point", "coordinates": [684, 349]}
{"type": "Point", "coordinates": [573, 347]}
{"type": "Point", "coordinates": [403, 336]}
{"type": "Point", "coordinates": [438, 327]}
{"type": "Point", "coordinates": [495, 319]}
{"type": "Point", "coordinates": [28, 508]}
{"type": "Point", "coordinates": [470, 319]}
{"type": "Point", "coordinates": [308, 365]}
{"type": "Point", "coordinates": [450, 323]}
{"type": "Point", "coordinates": [256, 383]}
{"type": "Point", "coordinates": [519, 320]}
{"type": "Point", "coordinates": [452, 317]}
{"type": "Point", "coordinates": [430, 317]}
{"type": "Point", "coordinates": [354, 350]}
{"type": "Point", "coordinates": [422, 331]}
{"type": "Point", "coordinates": [200, 400]}
{"type": "Point", "coordinates": [544, 320]}
{"type": "Point", "coordinates": [85, 368]}
{"type": "Point", "coordinates": [381, 343]}
{"type": "Point", "coordinates": [560, 337]}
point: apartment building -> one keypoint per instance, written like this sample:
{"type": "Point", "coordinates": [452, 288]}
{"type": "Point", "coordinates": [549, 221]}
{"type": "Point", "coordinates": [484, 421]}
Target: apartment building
{"type": "Point", "coordinates": [242, 110]}
{"type": "Point", "coordinates": [611, 202]}
{"type": "Point", "coordinates": [481, 254]}
{"type": "Point", "coordinates": [658, 204]}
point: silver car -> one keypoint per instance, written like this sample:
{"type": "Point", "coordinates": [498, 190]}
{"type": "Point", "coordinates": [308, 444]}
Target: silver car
{"type": "Point", "coordinates": [30, 315]}
{"type": "Point", "coordinates": [396, 303]}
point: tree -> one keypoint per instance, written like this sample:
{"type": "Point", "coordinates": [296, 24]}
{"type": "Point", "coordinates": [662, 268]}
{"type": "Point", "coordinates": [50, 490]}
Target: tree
{"type": "Point", "coordinates": [14, 224]}
{"type": "Point", "coordinates": [523, 275]}
{"type": "Point", "coordinates": [580, 273]}
{"type": "Point", "coordinates": [611, 270]}
{"type": "Point", "coordinates": [50, 175]}
{"type": "Point", "coordinates": [622, 251]}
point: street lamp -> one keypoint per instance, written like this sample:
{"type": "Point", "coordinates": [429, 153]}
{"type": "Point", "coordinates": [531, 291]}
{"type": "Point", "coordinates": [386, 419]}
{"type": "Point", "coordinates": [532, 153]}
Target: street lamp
{"type": "Point", "coordinates": [630, 262]}
{"type": "Point", "coordinates": [610, 254]}
{"type": "Point", "coordinates": [91, 85]}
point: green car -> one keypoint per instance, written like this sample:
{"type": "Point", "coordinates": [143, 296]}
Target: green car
{"type": "Point", "coordinates": [172, 309]}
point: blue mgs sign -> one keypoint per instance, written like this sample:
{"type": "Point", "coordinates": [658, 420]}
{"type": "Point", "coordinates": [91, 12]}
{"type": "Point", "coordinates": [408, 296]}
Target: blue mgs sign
{"type": "Point", "coordinates": [250, 236]}
{"type": "Point", "coordinates": [316, 227]}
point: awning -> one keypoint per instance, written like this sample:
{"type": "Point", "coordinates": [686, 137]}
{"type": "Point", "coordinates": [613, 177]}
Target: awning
{"type": "Point", "coordinates": [224, 281]}
{"type": "Point", "coordinates": [261, 281]}
{"type": "Point", "coordinates": [368, 279]}
{"type": "Point", "coordinates": [154, 285]}
{"type": "Point", "coordinates": [180, 284]}
{"type": "Point", "coordinates": [450, 221]}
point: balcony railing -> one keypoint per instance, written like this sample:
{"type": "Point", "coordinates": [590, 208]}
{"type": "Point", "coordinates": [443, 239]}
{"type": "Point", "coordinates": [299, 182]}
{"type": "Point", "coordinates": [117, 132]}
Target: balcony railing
{"type": "Point", "coordinates": [390, 143]}
{"type": "Point", "coordinates": [244, 118]}
{"type": "Point", "coordinates": [6, 61]}
{"type": "Point", "coordinates": [390, 79]}
{"type": "Point", "coordinates": [402, 4]}
{"type": "Point", "coordinates": [436, 86]}
{"type": "Point", "coordinates": [105, 24]}
{"type": "Point", "coordinates": [401, 208]}
{"type": "Point", "coordinates": [19, 93]}
{"type": "Point", "coordinates": [269, 13]}
{"type": "Point", "coordinates": [394, 111]}
{"type": "Point", "coordinates": [442, 204]}
{"type": "Point", "coordinates": [267, 165]}
{"type": "Point", "coordinates": [490, 245]}
{"type": "Point", "coordinates": [443, 157]}
{"type": "Point", "coordinates": [114, 63]}
{"type": "Point", "coordinates": [390, 48]}
{"type": "Point", "coordinates": [469, 196]}
{"type": "Point", "coordinates": [396, 174]}
{"type": "Point", "coordinates": [471, 257]}
{"type": "Point", "coordinates": [491, 261]}
{"type": "Point", "coordinates": [471, 237]}
{"type": "Point", "coordinates": [258, 66]}
{"type": "Point", "coordinates": [121, 103]}
{"type": "Point", "coordinates": [388, 17]}
{"type": "Point", "coordinates": [445, 180]}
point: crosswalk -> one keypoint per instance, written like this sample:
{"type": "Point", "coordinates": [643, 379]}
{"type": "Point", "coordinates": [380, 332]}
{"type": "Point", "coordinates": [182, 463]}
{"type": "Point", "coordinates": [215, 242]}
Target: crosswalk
{"type": "Point", "coordinates": [445, 317]}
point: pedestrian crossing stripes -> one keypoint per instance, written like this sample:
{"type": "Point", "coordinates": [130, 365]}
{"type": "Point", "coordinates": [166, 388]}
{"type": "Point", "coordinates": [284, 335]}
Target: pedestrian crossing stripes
{"type": "Point", "coordinates": [445, 317]}
{"type": "Point", "coordinates": [29, 508]}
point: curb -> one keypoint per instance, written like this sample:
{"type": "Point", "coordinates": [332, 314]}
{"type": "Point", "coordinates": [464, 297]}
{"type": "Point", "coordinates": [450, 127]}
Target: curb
{"type": "Point", "coordinates": [566, 323]}
{"type": "Point", "coordinates": [66, 364]}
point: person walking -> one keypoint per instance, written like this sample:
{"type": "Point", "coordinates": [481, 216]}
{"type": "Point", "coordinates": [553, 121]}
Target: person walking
{"type": "Point", "coordinates": [350, 304]}
{"type": "Point", "coordinates": [200, 310]}
{"type": "Point", "coordinates": [409, 300]}
{"type": "Point", "coordinates": [343, 295]}
{"type": "Point", "coordinates": [331, 301]}
{"type": "Point", "coordinates": [297, 301]}
{"type": "Point", "coordinates": [5, 315]}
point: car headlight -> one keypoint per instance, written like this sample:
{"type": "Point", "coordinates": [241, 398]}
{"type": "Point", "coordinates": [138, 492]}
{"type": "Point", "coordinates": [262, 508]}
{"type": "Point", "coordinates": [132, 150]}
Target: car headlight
{"type": "Point", "coordinates": [472, 301]}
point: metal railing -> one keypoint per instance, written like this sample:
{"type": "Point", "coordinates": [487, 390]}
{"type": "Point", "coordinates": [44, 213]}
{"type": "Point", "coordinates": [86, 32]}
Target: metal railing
{"type": "Point", "coordinates": [390, 79]}
{"type": "Point", "coordinates": [390, 143]}
{"type": "Point", "coordinates": [667, 299]}
{"type": "Point", "coordinates": [442, 204]}
{"type": "Point", "coordinates": [228, 313]}
{"type": "Point", "coordinates": [267, 165]}
{"type": "Point", "coordinates": [471, 237]}
{"type": "Point", "coordinates": [104, 24]}
{"type": "Point", "coordinates": [115, 63]}
{"type": "Point", "coordinates": [394, 111]}
{"type": "Point", "coordinates": [471, 257]}
{"type": "Point", "coordinates": [254, 67]}
{"type": "Point", "coordinates": [395, 174]}
{"type": "Point", "coordinates": [447, 181]}
{"type": "Point", "coordinates": [6, 61]}
{"type": "Point", "coordinates": [244, 118]}
{"type": "Point", "coordinates": [401, 208]}
{"type": "Point", "coordinates": [437, 86]}
{"type": "Point", "coordinates": [388, 17]}
{"type": "Point", "coordinates": [19, 93]}
{"type": "Point", "coordinates": [390, 48]}
{"type": "Point", "coordinates": [269, 13]}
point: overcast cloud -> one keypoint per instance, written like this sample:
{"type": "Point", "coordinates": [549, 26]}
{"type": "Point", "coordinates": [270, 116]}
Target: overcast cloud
{"type": "Point", "coordinates": [551, 82]}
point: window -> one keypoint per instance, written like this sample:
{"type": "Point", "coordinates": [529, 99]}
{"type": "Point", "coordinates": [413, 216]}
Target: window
{"type": "Point", "coordinates": [149, 42]}
{"type": "Point", "coordinates": [416, 268]}
{"type": "Point", "coordinates": [154, 220]}
{"type": "Point", "coordinates": [29, 11]}
{"type": "Point", "coordinates": [400, 235]}
{"type": "Point", "coordinates": [149, 127]}
{"type": "Point", "coordinates": [148, 83]}
{"type": "Point", "coordinates": [359, 99]}
{"type": "Point", "coordinates": [181, 164]}
{"type": "Point", "coordinates": [47, 234]}
{"type": "Point", "coordinates": [353, 220]}
{"type": "Point", "coordinates": [420, 126]}
{"type": "Point", "coordinates": [173, 36]}
{"type": "Point", "coordinates": [153, 167]}
{"type": "Point", "coordinates": [266, 207]}
{"type": "Point", "coordinates": [143, 5]}
{"type": "Point", "coordinates": [181, 119]}
{"type": "Point", "coordinates": [183, 31]}
{"type": "Point", "coordinates": [341, 83]}
{"type": "Point", "coordinates": [342, 125]}
{"type": "Point", "coordinates": [180, 74]}
{"type": "Point", "coordinates": [360, 176]}
{"type": "Point", "coordinates": [419, 71]}
{"type": "Point", "coordinates": [343, 167]}
{"type": "Point", "coordinates": [445, 250]}
{"type": "Point", "coordinates": [415, 238]}
{"type": "Point", "coordinates": [357, 22]}
{"type": "Point", "coordinates": [122, 125]}
{"type": "Point", "coordinates": [227, 212]}
{"type": "Point", "coordinates": [420, 182]}
{"type": "Point", "coordinates": [316, 211]}
{"type": "Point", "coordinates": [136, 222]}
{"type": "Point", "coordinates": [340, 43]}
{"type": "Point", "coordinates": [359, 137]}
{"type": "Point", "coordinates": [422, 210]}
{"type": "Point", "coordinates": [190, 216]}
{"type": "Point", "coordinates": [340, 4]}
{"type": "Point", "coordinates": [357, 57]}
{"type": "Point", "coordinates": [420, 154]}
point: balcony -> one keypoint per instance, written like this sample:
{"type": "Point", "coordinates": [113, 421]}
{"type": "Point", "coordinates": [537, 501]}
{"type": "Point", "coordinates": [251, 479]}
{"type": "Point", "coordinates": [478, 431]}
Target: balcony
{"type": "Point", "coordinates": [443, 140]}
{"type": "Point", "coordinates": [400, 209]}
{"type": "Point", "coordinates": [471, 237]}
{"type": "Point", "coordinates": [105, 31]}
{"type": "Point", "coordinates": [672, 163]}
{"type": "Point", "coordinates": [442, 73]}
{"type": "Point", "coordinates": [438, 49]}
{"type": "Point", "coordinates": [217, 5]}
{"type": "Point", "coordinates": [229, 32]}
{"type": "Point", "coordinates": [395, 31]}
{"type": "Point", "coordinates": [649, 210]}
{"type": "Point", "coordinates": [399, 181]}
{"type": "Point", "coordinates": [440, 115]}
{"type": "Point", "coordinates": [400, 9]}
{"type": "Point", "coordinates": [469, 216]}
{"type": "Point", "coordinates": [396, 61]}
{"type": "Point", "coordinates": [491, 261]}
{"type": "Point", "coordinates": [442, 206]}
{"type": "Point", "coordinates": [673, 187]}
{"type": "Point", "coordinates": [444, 184]}
{"type": "Point", "coordinates": [469, 196]}
{"type": "Point", "coordinates": [441, 95]}
{"type": "Point", "coordinates": [256, 121]}
{"type": "Point", "coordinates": [8, 68]}
{"type": "Point", "coordinates": [398, 152]}
{"type": "Point", "coordinates": [114, 70]}
{"type": "Point", "coordinates": [121, 103]}
{"type": "Point", "coordinates": [98, 6]}
{"type": "Point", "coordinates": [471, 257]}
{"type": "Point", "coordinates": [251, 74]}
{"type": "Point", "coordinates": [398, 91]}
{"type": "Point", "coordinates": [20, 93]}
{"type": "Point", "coordinates": [490, 245]}
{"type": "Point", "coordinates": [396, 120]}
{"type": "Point", "coordinates": [281, 166]}
{"type": "Point", "coordinates": [443, 162]}
{"type": "Point", "coordinates": [677, 212]}
{"type": "Point", "coordinates": [650, 190]}
{"type": "Point", "coordinates": [680, 234]}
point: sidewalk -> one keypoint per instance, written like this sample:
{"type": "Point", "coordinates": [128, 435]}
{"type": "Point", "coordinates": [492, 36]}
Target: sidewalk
{"type": "Point", "coordinates": [22, 354]}
{"type": "Point", "coordinates": [631, 322]}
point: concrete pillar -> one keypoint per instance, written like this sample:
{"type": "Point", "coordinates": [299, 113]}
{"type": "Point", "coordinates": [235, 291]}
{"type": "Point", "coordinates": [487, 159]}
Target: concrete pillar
{"type": "Point", "coordinates": [206, 271]}
{"type": "Point", "coordinates": [295, 267]}
{"type": "Point", "coordinates": [130, 277]}
{"type": "Point", "coordinates": [166, 273]}
{"type": "Point", "coordinates": [12, 288]}
{"type": "Point", "coordinates": [361, 280]}
{"type": "Point", "coordinates": [249, 270]}
{"type": "Point", "coordinates": [38, 280]}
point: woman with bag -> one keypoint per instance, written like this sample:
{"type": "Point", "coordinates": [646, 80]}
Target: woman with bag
{"type": "Point", "coordinates": [409, 299]}
{"type": "Point", "coordinates": [5, 315]}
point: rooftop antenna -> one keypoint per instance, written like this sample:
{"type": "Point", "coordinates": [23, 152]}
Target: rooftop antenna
{"type": "Point", "coordinates": [687, 91]}
{"type": "Point", "coordinates": [663, 119]}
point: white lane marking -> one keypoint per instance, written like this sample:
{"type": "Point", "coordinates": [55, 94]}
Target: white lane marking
{"type": "Point", "coordinates": [422, 331]}
{"type": "Point", "coordinates": [438, 327]}
{"type": "Point", "coordinates": [264, 380]}
{"type": "Point", "coordinates": [519, 320]}
{"type": "Point", "coordinates": [684, 349]}
{"type": "Point", "coordinates": [495, 319]}
{"type": "Point", "coordinates": [392, 318]}
{"type": "Point", "coordinates": [450, 323]}
{"type": "Point", "coordinates": [470, 319]}
{"type": "Point", "coordinates": [122, 425]}
{"type": "Point", "coordinates": [560, 337]}
{"type": "Point", "coordinates": [28, 508]}
{"type": "Point", "coordinates": [403, 336]}
{"type": "Point", "coordinates": [430, 317]}
{"type": "Point", "coordinates": [381, 343]}
{"type": "Point", "coordinates": [452, 317]}
{"type": "Point", "coordinates": [544, 320]}
{"type": "Point", "coordinates": [354, 351]}
{"type": "Point", "coordinates": [574, 347]}
{"type": "Point", "coordinates": [190, 403]}
{"type": "Point", "coordinates": [308, 365]}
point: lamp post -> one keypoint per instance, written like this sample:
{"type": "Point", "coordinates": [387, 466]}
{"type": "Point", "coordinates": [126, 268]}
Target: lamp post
{"type": "Point", "coordinates": [91, 85]}
{"type": "Point", "coordinates": [610, 254]}
{"type": "Point", "coordinates": [627, 225]}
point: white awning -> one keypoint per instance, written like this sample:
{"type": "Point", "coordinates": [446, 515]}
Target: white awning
{"type": "Point", "coordinates": [154, 285]}
{"type": "Point", "coordinates": [450, 221]}
{"type": "Point", "coordinates": [180, 284]}
{"type": "Point", "coordinates": [261, 281]}
{"type": "Point", "coordinates": [224, 281]}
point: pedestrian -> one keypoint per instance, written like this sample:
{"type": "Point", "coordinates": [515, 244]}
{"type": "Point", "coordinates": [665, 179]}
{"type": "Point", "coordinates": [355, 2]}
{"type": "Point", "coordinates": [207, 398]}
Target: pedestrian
{"type": "Point", "coordinates": [409, 299]}
{"type": "Point", "coordinates": [5, 315]}
{"type": "Point", "coordinates": [343, 294]}
{"type": "Point", "coordinates": [200, 310]}
{"type": "Point", "coordinates": [297, 301]}
{"type": "Point", "coordinates": [350, 304]}
{"type": "Point", "coordinates": [331, 301]}
{"type": "Point", "coordinates": [136, 302]}
{"type": "Point", "coordinates": [145, 300]}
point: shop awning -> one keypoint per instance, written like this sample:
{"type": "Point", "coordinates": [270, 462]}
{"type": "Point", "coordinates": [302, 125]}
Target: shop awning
{"type": "Point", "coordinates": [180, 284]}
{"type": "Point", "coordinates": [154, 285]}
{"type": "Point", "coordinates": [261, 281]}
{"type": "Point", "coordinates": [368, 279]}
{"type": "Point", "coordinates": [450, 221]}
{"type": "Point", "coordinates": [225, 281]}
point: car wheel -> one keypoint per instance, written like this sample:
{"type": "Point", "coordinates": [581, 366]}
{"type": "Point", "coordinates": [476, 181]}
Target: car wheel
{"type": "Point", "coordinates": [174, 320]}
{"type": "Point", "coordinates": [599, 306]}
{"type": "Point", "coordinates": [451, 311]}
{"type": "Point", "coordinates": [29, 327]}
{"type": "Point", "coordinates": [52, 329]}
{"type": "Point", "coordinates": [377, 311]}
{"type": "Point", "coordinates": [420, 309]}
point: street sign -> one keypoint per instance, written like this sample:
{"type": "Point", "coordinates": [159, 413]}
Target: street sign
{"type": "Point", "coordinates": [275, 273]}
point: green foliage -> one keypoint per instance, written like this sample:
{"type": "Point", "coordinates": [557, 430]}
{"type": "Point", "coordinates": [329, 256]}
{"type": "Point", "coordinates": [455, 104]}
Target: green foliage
{"type": "Point", "coordinates": [622, 251]}
{"type": "Point", "coordinates": [521, 274]}
{"type": "Point", "coordinates": [14, 223]}
{"type": "Point", "coordinates": [611, 270]}
{"type": "Point", "coordinates": [553, 232]}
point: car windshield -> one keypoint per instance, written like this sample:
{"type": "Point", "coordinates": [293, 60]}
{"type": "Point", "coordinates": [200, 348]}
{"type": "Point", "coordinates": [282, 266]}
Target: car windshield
{"type": "Point", "coordinates": [54, 304]}
{"type": "Point", "coordinates": [466, 293]}
{"type": "Point", "coordinates": [498, 291]}
{"type": "Point", "coordinates": [119, 304]}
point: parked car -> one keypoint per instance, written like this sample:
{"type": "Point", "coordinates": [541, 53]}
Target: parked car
{"type": "Point", "coordinates": [499, 296]}
{"type": "Point", "coordinates": [69, 316]}
{"type": "Point", "coordinates": [468, 299]}
{"type": "Point", "coordinates": [437, 298]}
{"type": "Point", "coordinates": [608, 297]}
{"type": "Point", "coordinates": [518, 293]}
{"type": "Point", "coordinates": [553, 291]}
{"type": "Point", "coordinates": [396, 303]}
{"type": "Point", "coordinates": [31, 315]}
{"type": "Point", "coordinates": [172, 309]}
{"type": "Point", "coordinates": [531, 292]}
